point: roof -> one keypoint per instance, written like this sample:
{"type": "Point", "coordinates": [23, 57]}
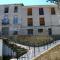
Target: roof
{"type": "Point", "coordinates": [21, 4]}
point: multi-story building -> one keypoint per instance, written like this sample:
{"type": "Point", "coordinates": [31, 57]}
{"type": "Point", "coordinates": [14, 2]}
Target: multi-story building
{"type": "Point", "coordinates": [29, 20]}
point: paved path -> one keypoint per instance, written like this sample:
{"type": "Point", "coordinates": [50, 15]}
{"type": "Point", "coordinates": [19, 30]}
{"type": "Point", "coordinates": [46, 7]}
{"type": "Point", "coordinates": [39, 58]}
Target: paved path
{"type": "Point", "coordinates": [34, 52]}
{"type": "Point", "coordinates": [23, 46]}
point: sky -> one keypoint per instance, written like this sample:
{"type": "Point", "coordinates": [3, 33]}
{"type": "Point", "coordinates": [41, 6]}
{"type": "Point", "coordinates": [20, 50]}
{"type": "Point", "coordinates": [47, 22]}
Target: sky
{"type": "Point", "coordinates": [25, 2]}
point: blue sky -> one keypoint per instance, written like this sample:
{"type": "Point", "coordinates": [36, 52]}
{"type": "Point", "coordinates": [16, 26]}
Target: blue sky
{"type": "Point", "coordinates": [25, 2]}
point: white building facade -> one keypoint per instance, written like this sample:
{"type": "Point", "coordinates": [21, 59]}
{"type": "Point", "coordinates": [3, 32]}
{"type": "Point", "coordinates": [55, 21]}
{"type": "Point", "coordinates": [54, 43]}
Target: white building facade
{"type": "Point", "coordinates": [29, 20]}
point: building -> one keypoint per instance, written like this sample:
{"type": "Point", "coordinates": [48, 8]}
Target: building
{"type": "Point", "coordinates": [29, 20]}
{"type": "Point", "coordinates": [1, 45]}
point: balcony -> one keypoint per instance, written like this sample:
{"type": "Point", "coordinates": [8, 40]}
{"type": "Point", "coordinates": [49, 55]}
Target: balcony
{"type": "Point", "coordinates": [4, 23]}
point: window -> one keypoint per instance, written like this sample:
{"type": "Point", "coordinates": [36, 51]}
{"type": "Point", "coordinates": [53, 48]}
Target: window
{"type": "Point", "coordinates": [5, 30]}
{"type": "Point", "coordinates": [41, 12]}
{"type": "Point", "coordinates": [15, 9]}
{"type": "Point", "coordinates": [42, 22]}
{"type": "Point", "coordinates": [5, 20]}
{"type": "Point", "coordinates": [6, 10]}
{"type": "Point", "coordinates": [30, 31]}
{"type": "Point", "coordinates": [30, 22]}
{"type": "Point", "coordinates": [40, 30]}
{"type": "Point", "coordinates": [52, 11]}
{"type": "Point", "coordinates": [15, 32]}
{"type": "Point", "coordinates": [29, 11]}
{"type": "Point", "coordinates": [15, 20]}
{"type": "Point", "coordinates": [50, 31]}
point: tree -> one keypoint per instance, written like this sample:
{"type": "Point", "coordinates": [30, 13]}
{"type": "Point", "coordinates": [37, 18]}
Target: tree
{"type": "Point", "coordinates": [55, 1]}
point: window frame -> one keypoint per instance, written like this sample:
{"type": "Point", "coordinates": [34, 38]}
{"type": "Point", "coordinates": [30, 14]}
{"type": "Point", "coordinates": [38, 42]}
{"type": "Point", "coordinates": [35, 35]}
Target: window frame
{"type": "Point", "coordinates": [15, 32]}
{"type": "Point", "coordinates": [30, 23]}
{"type": "Point", "coordinates": [15, 20]}
{"type": "Point", "coordinates": [4, 31]}
{"type": "Point", "coordinates": [40, 30]}
{"type": "Point", "coordinates": [42, 21]}
{"type": "Point", "coordinates": [30, 31]}
{"type": "Point", "coordinates": [6, 10]}
{"type": "Point", "coordinates": [5, 20]}
{"type": "Point", "coordinates": [29, 11]}
{"type": "Point", "coordinates": [15, 9]}
{"type": "Point", "coordinates": [53, 12]}
{"type": "Point", "coordinates": [41, 11]}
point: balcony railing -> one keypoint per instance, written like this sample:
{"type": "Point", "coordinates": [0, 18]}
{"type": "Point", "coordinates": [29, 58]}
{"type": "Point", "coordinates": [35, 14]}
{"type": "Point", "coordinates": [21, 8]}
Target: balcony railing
{"type": "Point", "coordinates": [3, 23]}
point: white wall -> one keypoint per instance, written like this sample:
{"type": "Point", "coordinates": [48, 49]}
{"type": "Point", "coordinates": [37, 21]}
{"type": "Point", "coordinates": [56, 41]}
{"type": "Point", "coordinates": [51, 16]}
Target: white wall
{"type": "Point", "coordinates": [22, 15]}
{"type": "Point", "coordinates": [8, 51]}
